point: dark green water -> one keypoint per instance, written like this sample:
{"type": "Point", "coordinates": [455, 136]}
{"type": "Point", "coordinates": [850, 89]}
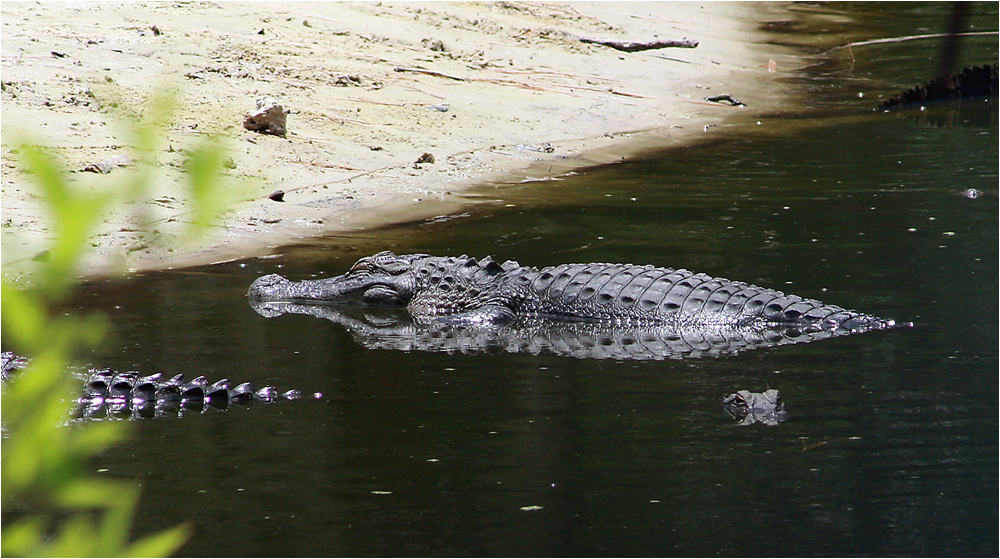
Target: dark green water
{"type": "Point", "coordinates": [891, 448]}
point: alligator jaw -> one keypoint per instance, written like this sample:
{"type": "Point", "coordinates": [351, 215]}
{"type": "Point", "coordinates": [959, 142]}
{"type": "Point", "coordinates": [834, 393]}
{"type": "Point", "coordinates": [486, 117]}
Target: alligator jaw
{"type": "Point", "coordinates": [275, 288]}
{"type": "Point", "coordinates": [347, 288]}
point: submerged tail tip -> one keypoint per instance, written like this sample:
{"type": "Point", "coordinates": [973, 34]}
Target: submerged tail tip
{"type": "Point", "coordinates": [862, 323]}
{"type": "Point", "coordinates": [855, 322]}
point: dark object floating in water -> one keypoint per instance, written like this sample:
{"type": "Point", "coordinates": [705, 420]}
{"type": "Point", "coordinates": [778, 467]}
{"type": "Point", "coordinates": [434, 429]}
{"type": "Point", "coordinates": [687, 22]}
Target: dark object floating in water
{"type": "Point", "coordinates": [979, 81]}
{"type": "Point", "coordinates": [756, 407]}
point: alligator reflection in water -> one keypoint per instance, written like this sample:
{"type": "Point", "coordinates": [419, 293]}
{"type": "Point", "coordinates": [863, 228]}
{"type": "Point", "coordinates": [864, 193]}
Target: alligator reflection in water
{"type": "Point", "coordinates": [396, 329]}
{"type": "Point", "coordinates": [393, 328]}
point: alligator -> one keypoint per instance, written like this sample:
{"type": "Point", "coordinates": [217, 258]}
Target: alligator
{"type": "Point", "coordinates": [968, 83]}
{"type": "Point", "coordinates": [129, 395]}
{"type": "Point", "coordinates": [756, 407]}
{"type": "Point", "coordinates": [618, 311]}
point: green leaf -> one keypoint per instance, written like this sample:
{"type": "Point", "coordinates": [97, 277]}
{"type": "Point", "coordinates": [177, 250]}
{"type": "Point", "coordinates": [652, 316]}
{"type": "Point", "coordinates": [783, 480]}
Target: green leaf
{"type": "Point", "coordinates": [20, 538]}
{"type": "Point", "coordinates": [91, 492]}
{"type": "Point", "coordinates": [162, 544]}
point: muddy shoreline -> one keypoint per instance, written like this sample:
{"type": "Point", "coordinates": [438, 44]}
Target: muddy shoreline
{"type": "Point", "coordinates": [494, 92]}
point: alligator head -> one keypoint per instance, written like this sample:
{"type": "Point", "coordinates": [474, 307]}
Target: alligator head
{"type": "Point", "coordinates": [426, 285]}
{"type": "Point", "coordinates": [382, 280]}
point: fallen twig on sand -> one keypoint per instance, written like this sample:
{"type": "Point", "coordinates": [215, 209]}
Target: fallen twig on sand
{"type": "Point", "coordinates": [322, 165]}
{"type": "Point", "coordinates": [430, 73]}
{"type": "Point", "coordinates": [528, 85]}
{"type": "Point", "coordinates": [623, 94]}
{"type": "Point", "coordinates": [636, 46]}
{"type": "Point", "coordinates": [486, 80]}
{"type": "Point", "coordinates": [360, 100]}
{"type": "Point", "coordinates": [726, 97]}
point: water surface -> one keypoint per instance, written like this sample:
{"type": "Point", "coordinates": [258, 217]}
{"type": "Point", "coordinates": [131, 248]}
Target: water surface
{"type": "Point", "coordinates": [891, 448]}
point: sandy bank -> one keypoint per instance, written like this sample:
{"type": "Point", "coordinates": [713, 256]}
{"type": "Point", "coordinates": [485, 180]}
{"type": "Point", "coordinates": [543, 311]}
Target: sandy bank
{"type": "Point", "coordinates": [505, 90]}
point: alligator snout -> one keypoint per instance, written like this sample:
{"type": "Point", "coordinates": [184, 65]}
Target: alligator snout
{"type": "Point", "coordinates": [267, 287]}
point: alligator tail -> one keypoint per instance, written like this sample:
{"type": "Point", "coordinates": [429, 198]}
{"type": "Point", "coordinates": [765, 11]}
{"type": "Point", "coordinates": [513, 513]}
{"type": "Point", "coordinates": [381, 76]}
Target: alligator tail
{"type": "Point", "coordinates": [129, 395]}
{"type": "Point", "coordinates": [978, 81]}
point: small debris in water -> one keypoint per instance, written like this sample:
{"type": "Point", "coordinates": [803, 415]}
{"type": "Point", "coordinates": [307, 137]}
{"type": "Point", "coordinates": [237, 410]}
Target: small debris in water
{"type": "Point", "coordinates": [532, 508]}
{"type": "Point", "coordinates": [972, 193]}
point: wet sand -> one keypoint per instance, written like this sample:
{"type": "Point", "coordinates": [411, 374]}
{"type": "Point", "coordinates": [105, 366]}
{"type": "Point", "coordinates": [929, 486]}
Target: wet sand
{"type": "Point", "coordinates": [494, 92]}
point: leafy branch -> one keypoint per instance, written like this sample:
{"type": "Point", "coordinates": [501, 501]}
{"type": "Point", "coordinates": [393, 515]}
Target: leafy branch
{"type": "Point", "coordinates": [52, 505]}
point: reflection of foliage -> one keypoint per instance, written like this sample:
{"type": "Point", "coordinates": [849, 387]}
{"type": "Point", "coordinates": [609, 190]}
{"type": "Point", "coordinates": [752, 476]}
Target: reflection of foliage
{"type": "Point", "coordinates": [45, 460]}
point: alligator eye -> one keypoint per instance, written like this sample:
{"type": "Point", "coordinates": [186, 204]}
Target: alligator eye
{"type": "Point", "coordinates": [381, 295]}
{"type": "Point", "coordinates": [361, 265]}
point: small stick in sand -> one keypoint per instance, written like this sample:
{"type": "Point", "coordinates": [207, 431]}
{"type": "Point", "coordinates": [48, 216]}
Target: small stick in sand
{"type": "Point", "coordinates": [429, 73]}
{"type": "Point", "coordinates": [636, 46]}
